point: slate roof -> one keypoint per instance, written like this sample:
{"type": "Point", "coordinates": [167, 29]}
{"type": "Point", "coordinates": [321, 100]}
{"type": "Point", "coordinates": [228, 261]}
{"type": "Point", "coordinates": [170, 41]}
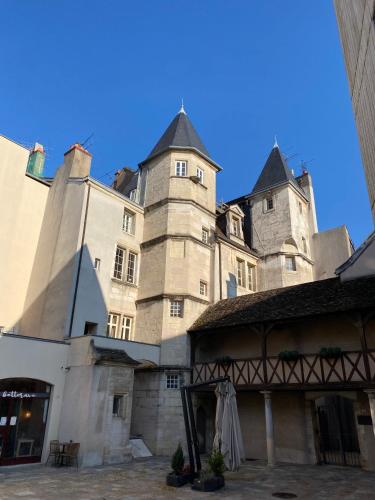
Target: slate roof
{"type": "Point", "coordinates": [308, 299]}
{"type": "Point", "coordinates": [275, 172]}
{"type": "Point", "coordinates": [114, 355]}
{"type": "Point", "coordinates": [355, 255]}
{"type": "Point", "coordinates": [180, 134]}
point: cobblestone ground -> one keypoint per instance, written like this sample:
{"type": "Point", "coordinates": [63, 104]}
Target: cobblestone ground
{"type": "Point", "coordinates": [145, 479]}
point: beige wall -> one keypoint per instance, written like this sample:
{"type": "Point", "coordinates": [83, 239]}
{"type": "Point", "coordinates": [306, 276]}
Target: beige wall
{"type": "Point", "coordinates": [23, 203]}
{"type": "Point", "coordinates": [331, 249]}
{"type": "Point", "coordinates": [356, 25]}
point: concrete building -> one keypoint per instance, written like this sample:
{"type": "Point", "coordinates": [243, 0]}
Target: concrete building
{"type": "Point", "coordinates": [356, 20]}
{"type": "Point", "coordinates": [112, 278]}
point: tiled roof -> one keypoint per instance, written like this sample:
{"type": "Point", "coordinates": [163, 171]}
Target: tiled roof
{"type": "Point", "coordinates": [307, 299]}
{"type": "Point", "coordinates": [114, 355]}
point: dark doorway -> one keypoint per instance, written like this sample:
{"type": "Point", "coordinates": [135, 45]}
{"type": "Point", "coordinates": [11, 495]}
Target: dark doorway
{"type": "Point", "coordinates": [338, 440]}
{"type": "Point", "coordinates": [201, 429]}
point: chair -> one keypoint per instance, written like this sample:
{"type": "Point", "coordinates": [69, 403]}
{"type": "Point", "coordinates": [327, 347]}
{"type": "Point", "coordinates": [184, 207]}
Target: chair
{"type": "Point", "coordinates": [54, 450]}
{"type": "Point", "coordinates": [70, 454]}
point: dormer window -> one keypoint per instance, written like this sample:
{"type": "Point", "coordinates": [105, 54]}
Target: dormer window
{"type": "Point", "coordinates": [133, 194]}
{"type": "Point", "coordinates": [181, 168]}
{"type": "Point", "coordinates": [236, 226]}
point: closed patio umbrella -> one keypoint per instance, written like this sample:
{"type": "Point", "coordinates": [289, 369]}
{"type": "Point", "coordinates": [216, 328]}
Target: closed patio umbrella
{"type": "Point", "coordinates": [228, 437]}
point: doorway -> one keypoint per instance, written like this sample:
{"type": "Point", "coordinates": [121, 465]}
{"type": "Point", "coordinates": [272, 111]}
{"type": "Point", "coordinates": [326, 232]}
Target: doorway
{"type": "Point", "coordinates": [23, 417]}
{"type": "Point", "coordinates": [338, 439]}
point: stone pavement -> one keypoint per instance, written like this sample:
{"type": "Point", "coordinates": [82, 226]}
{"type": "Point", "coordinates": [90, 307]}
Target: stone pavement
{"type": "Point", "coordinates": [145, 479]}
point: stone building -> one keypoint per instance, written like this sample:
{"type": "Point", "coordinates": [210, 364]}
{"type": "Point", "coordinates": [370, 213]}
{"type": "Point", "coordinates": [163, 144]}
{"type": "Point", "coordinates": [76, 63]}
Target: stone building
{"type": "Point", "coordinates": [112, 278]}
{"type": "Point", "coordinates": [356, 20]}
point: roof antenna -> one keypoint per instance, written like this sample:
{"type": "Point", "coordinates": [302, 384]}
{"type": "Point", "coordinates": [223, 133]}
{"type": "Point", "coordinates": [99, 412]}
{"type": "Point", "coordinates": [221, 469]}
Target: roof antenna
{"type": "Point", "coordinates": [275, 145]}
{"type": "Point", "coordinates": [182, 109]}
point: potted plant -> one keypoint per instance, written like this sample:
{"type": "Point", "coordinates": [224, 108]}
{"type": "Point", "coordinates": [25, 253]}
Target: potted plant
{"type": "Point", "coordinates": [180, 475]}
{"type": "Point", "coordinates": [289, 355]}
{"type": "Point", "coordinates": [211, 478]}
{"type": "Point", "coordinates": [330, 352]}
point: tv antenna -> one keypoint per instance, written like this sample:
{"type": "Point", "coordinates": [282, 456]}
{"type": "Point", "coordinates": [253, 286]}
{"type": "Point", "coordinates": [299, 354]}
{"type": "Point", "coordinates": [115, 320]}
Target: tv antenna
{"type": "Point", "coordinates": [85, 144]}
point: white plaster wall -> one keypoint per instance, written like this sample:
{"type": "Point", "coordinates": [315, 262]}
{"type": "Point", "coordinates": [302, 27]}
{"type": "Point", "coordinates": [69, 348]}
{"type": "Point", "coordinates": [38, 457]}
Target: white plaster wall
{"type": "Point", "coordinates": [23, 201]}
{"type": "Point", "coordinates": [22, 357]}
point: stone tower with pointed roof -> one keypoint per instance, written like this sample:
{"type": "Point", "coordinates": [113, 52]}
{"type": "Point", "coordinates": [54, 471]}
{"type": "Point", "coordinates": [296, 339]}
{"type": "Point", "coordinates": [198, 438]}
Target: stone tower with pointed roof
{"type": "Point", "coordinates": [283, 221]}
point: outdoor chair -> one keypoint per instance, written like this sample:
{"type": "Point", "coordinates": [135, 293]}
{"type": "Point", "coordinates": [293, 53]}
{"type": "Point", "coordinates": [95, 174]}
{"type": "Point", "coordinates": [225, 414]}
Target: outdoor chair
{"type": "Point", "coordinates": [70, 454]}
{"type": "Point", "coordinates": [54, 450]}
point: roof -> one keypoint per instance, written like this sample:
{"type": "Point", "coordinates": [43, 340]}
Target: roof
{"type": "Point", "coordinates": [307, 299]}
{"type": "Point", "coordinates": [355, 255]}
{"type": "Point", "coordinates": [114, 355]}
{"type": "Point", "coordinates": [275, 172]}
{"type": "Point", "coordinates": [180, 134]}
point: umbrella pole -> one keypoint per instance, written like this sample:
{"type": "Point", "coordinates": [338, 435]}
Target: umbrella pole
{"type": "Point", "coordinates": [187, 428]}
{"type": "Point", "coordinates": [193, 429]}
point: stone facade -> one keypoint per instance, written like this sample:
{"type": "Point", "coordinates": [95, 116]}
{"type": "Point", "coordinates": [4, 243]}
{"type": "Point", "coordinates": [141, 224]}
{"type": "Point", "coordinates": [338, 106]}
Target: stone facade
{"type": "Point", "coordinates": [356, 20]}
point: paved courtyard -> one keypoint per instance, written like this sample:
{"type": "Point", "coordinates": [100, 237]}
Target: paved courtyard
{"type": "Point", "coordinates": [145, 479]}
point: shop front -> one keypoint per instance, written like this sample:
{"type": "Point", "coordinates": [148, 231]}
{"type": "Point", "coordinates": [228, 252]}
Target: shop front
{"type": "Point", "coordinates": [23, 417]}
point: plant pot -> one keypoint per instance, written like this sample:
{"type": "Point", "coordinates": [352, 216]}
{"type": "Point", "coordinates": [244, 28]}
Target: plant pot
{"type": "Point", "coordinates": [178, 480]}
{"type": "Point", "coordinates": [211, 484]}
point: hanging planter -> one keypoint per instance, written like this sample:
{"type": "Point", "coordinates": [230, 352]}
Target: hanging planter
{"type": "Point", "coordinates": [330, 352]}
{"type": "Point", "coordinates": [289, 355]}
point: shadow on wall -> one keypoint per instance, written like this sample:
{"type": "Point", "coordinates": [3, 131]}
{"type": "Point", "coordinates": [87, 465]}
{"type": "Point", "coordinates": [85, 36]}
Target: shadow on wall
{"type": "Point", "coordinates": [72, 304]}
{"type": "Point", "coordinates": [231, 286]}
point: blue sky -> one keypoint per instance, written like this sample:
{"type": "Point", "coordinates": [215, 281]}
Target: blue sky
{"type": "Point", "coordinates": [247, 70]}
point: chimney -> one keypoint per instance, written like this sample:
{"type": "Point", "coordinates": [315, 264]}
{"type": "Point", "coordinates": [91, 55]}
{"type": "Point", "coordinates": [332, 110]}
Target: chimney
{"type": "Point", "coordinates": [78, 160]}
{"type": "Point", "coordinates": [37, 157]}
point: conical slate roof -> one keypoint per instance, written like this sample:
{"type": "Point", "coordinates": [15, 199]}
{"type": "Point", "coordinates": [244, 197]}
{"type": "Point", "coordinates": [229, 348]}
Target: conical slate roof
{"type": "Point", "coordinates": [180, 134]}
{"type": "Point", "coordinates": [275, 171]}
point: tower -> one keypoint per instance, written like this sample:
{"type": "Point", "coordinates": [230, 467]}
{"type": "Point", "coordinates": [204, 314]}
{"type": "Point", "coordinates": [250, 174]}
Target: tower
{"type": "Point", "coordinates": [178, 189]}
{"type": "Point", "coordinates": [283, 223]}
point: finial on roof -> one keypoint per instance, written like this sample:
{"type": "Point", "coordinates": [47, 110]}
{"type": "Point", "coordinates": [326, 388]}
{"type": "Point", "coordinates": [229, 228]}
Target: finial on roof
{"type": "Point", "coordinates": [275, 145]}
{"type": "Point", "coordinates": [182, 109]}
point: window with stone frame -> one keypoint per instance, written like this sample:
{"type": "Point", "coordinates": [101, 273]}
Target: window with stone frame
{"type": "Point", "coordinates": [236, 226]}
{"type": "Point", "coordinates": [176, 308]}
{"type": "Point", "coordinates": [290, 263]}
{"type": "Point", "coordinates": [205, 234]}
{"type": "Point", "coordinates": [269, 203]}
{"type": "Point", "coordinates": [113, 325]}
{"type": "Point", "coordinates": [131, 270]}
{"type": "Point", "coordinates": [181, 168]}
{"type": "Point", "coordinates": [200, 175]}
{"type": "Point", "coordinates": [203, 288]}
{"type": "Point", "coordinates": [126, 328]}
{"type": "Point", "coordinates": [173, 381]}
{"type": "Point", "coordinates": [128, 220]}
{"type": "Point", "coordinates": [118, 271]}
{"type": "Point", "coordinates": [251, 277]}
{"type": "Point", "coordinates": [240, 272]}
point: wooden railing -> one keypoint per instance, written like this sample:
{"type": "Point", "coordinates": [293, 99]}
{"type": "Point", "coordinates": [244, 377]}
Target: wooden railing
{"type": "Point", "coordinates": [309, 369]}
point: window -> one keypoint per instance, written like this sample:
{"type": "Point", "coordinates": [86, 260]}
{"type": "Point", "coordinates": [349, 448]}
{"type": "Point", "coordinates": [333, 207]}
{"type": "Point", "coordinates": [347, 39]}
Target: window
{"type": "Point", "coordinates": [132, 258]}
{"type": "Point", "coordinates": [200, 174]}
{"type": "Point", "coordinates": [176, 308]}
{"type": "Point", "coordinates": [181, 168]}
{"type": "Point", "coordinates": [90, 328]}
{"type": "Point", "coordinates": [240, 273]}
{"type": "Point", "coordinates": [251, 281]}
{"type": "Point", "coordinates": [300, 207]}
{"type": "Point", "coordinates": [133, 194]}
{"type": "Point", "coordinates": [173, 381]}
{"type": "Point", "coordinates": [119, 263]}
{"type": "Point", "coordinates": [128, 222]}
{"type": "Point", "coordinates": [269, 203]}
{"type": "Point", "coordinates": [126, 328]}
{"type": "Point", "coordinates": [113, 324]}
{"type": "Point", "coordinates": [97, 264]}
{"type": "Point", "coordinates": [205, 235]}
{"type": "Point", "coordinates": [290, 263]}
{"type": "Point", "coordinates": [236, 226]}
{"type": "Point", "coordinates": [304, 245]}
{"type": "Point", "coordinates": [117, 405]}
{"type": "Point", "coordinates": [203, 288]}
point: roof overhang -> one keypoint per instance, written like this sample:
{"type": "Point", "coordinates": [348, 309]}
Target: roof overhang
{"type": "Point", "coordinates": [181, 148]}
